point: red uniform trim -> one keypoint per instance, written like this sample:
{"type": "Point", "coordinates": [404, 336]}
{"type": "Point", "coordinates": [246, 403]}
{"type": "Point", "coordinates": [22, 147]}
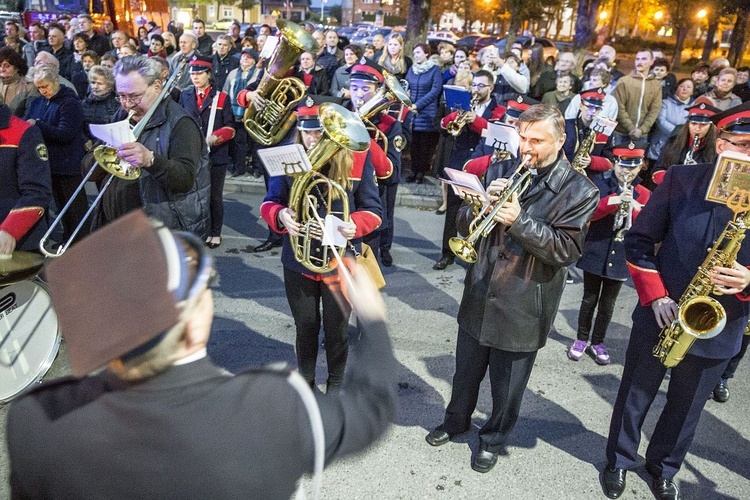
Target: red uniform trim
{"type": "Point", "coordinates": [599, 164]}
{"type": "Point", "coordinates": [385, 123]}
{"type": "Point", "coordinates": [658, 176]}
{"type": "Point", "coordinates": [269, 210]}
{"type": "Point", "coordinates": [242, 98]}
{"type": "Point", "coordinates": [447, 119]}
{"type": "Point", "coordinates": [381, 162]}
{"type": "Point", "coordinates": [601, 138]}
{"type": "Point", "coordinates": [224, 134]}
{"type": "Point", "coordinates": [358, 164]}
{"type": "Point", "coordinates": [20, 220]}
{"type": "Point", "coordinates": [498, 113]}
{"type": "Point", "coordinates": [478, 166]}
{"type": "Point", "coordinates": [603, 209]}
{"type": "Point", "coordinates": [648, 284]}
{"type": "Point", "coordinates": [11, 136]}
{"type": "Point", "coordinates": [478, 124]}
{"type": "Point", "coordinates": [365, 221]}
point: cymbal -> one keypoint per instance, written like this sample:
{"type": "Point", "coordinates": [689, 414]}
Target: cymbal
{"type": "Point", "coordinates": [19, 266]}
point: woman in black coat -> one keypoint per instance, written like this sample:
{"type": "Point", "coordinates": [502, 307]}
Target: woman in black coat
{"type": "Point", "coordinates": [101, 102]}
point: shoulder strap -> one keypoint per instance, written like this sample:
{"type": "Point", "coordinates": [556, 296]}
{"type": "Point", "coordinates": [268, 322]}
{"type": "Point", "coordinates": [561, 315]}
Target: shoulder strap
{"type": "Point", "coordinates": [316, 422]}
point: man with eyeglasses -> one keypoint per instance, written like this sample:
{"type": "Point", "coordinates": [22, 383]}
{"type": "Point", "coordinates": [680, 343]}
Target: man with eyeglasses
{"type": "Point", "coordinates": [475, 121]}
{"type": "Point", "coordinates": [147, 414]}
{"type": "Point", "coordinates": [175, 179]}
{"type": "Point", "coordinates": [682, 224]}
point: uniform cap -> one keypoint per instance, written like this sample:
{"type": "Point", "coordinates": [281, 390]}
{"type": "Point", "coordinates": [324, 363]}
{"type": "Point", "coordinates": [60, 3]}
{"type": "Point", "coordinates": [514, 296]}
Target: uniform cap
{"type": "Point", "coordinates": [366, 70]}
{"type": "Point", "coordinates": [199, 64]}
{"type": "Point", "coordinates": [735, 120]}
{"type": "Point", "coordinates": [518, 105]}
{"type": "Point", "coordinates": [702, 112]}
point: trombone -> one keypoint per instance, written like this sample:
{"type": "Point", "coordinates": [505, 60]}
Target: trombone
{"type": "Point", "coordinates": [106, 158]}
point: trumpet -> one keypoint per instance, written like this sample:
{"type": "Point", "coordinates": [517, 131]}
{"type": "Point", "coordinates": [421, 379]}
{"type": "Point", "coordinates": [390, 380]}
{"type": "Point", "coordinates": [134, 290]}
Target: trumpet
{"type": "Point", "coordinates": [462, 118]}
{"type": "Point", "coordinates": [106, 158]}
{"type": "Point", "coordinates": [484, 223]}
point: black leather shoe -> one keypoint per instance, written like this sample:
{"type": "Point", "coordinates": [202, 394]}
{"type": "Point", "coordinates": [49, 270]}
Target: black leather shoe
{"type": "Point", "coordinates": [483, 461]}
{"type": "Point", "coordinates": [411, 177]}
{"type": "Point", "coordinates": [437, 437]}
{"type": "Point", "coordinates": [664, 489]}
{"type": "Point", "coordinates": [268, 245]}
{"type": "Point", "coordinates": [721, 391]}
{"type": "Point", "coordinates": [419, 178]}
{"type": "Point", "coordinates": [613, 481]}
{"type": "Point", "coordinates": [385, 257]}
{"type": "Point", "coordinates": [443, 263]}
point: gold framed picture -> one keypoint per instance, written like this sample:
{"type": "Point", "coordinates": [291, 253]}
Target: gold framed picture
{"type": "Point", "coordinates": [732, 173]}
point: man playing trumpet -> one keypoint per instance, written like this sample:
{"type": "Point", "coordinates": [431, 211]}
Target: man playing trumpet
{"type": "Point", "coordinates": [513, 290]}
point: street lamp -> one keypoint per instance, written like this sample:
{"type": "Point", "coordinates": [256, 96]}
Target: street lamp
{"type": "Point", "coordinates": [658, 15]}
{"type": "Point", "coordinates": [603, 15]}
{"type": "Point", "coordinates": [322, 6]}
{"type": "Point", "coordinates": [702, 13]}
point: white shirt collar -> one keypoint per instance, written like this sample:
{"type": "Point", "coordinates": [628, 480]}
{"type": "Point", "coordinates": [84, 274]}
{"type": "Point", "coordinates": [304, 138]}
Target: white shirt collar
{"type": "Point", "coordinates": [199, 354]}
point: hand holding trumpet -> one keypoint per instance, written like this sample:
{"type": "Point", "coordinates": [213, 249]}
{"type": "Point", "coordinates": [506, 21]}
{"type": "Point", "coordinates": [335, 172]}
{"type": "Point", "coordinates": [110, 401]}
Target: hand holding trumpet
{"type": "Point", "coordinates": [508, 213]}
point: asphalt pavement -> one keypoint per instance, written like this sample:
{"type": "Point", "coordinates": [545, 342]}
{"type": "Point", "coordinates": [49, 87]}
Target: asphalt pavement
{"type": "Point", "coordinates": [557, 448]}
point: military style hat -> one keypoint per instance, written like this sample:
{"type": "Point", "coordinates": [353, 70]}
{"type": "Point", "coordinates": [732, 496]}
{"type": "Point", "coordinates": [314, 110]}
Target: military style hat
{"type": "Point", "coordinates": [518, 105]}
{"type": "Point", "coordinates": [307, 115]}
{"type": "Point", "coordinates": [367, 70]}
{"type": "Point", "coordinates": [701, 113]}
{"type": "Point", "coordinates": [199, 64]}
{"type": "Point", "coordinates": [735, 120]}
{"type": "Point", "coordinates": [593, 97]}
{"type": "Point", "coordinates": [628, 154]}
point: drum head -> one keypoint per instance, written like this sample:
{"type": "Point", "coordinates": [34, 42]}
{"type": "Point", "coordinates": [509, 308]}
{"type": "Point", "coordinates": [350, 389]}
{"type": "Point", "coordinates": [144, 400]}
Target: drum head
{"type": "Point", "coordinates": [29, 336]}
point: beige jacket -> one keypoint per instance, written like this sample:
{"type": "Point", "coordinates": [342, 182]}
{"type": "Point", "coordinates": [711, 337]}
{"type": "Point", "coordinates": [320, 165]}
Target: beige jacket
{"type": "Point", "coordinates": [638, 101]}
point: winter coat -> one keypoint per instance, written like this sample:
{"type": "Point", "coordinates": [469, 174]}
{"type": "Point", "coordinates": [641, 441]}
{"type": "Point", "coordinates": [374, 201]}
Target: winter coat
{"type": "Point", "coordinates": [673, 113]}
{"type": "Point", "coordinates": [99, 109]}
{"type": "Point", "coordinates": [425, 90]}
{"type": "Point", "coordinates": [61, 121]}
{"type": "Point", "coordinates": [639, 103]}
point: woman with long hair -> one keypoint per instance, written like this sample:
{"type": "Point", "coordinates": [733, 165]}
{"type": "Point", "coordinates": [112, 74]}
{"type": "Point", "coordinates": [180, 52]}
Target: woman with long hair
{"type": "Point", "coordinates": [674, 112]}
{"type": "Point", "coordinates": [536, 63]}
{"type": "Point", "coordinates": [696, 139]}
{"type": "Point", "coordinates": [170, 42]}
{"type": "Point", "coordinates": [460, 55]}
{"type": "Point", "coordinates": [425, 86]}
{"type": "Point", "coordinates": [393, 58]}
{"type": "Point", "coordinates": [306, 290]}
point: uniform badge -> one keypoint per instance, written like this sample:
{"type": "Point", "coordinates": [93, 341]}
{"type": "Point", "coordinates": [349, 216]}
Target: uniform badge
{"type": "Point", "coordinates": [309, 102]}
{"type": "Point", "coordinates": [41, 152]}
{"type": "Point", "coordinates": [363, 60]}
{"type": "Point", "coordinates": [631, 145]}
{"type": "Point", "coordinates": [399, 143]}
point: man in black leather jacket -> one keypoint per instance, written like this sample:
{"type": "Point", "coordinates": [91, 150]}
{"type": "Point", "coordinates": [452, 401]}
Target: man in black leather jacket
{"type": "Point", "coordinates": [513, 290]}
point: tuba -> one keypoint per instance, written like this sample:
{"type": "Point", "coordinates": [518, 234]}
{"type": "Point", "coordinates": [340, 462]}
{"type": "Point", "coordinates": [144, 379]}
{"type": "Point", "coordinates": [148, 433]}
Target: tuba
{"type": "Point", "coordinates": [311, 189]}
{"type": "Point", "coordinates": [698, 315]}
{"type": "Point", "coordinates": [390, 92]}
{"type": "Point", "coordinates": [269, 125]}
{"type": "Point", "coordinates": [484, 223]}
{"type": "Point", "coordinates": [106, 158]}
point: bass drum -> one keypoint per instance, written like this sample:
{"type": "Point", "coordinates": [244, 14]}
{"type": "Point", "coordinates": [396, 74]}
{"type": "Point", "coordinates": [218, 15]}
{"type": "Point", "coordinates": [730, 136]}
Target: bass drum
{"type": "Point", "coordinates": [29, 336]}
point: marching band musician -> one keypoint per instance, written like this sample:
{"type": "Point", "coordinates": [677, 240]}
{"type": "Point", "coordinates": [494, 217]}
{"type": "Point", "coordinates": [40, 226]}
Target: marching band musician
{"type": "Point", "coordinates": [694, 142]}
{"type": "Point", "coordinates": [512, 292]}
{"type": "Point", "coordinates": [578, 129]}
{"type": "Point", "coordinates": [684, 224]}
{"type": "Point", "coordinates": [198, 101]}
{"type": "Point", "coordinates": [621, 197]}
{"type": "Point", "coordinates": [26, 187]}
{"type": "Point", "coordinates": [485, 109]}
{"type": "Point", "coordinates": [366, 78]}
{"type": "Point", "coordinates": [306, 290]}
{"type": "Point", "coordinates": [482, 157]}
{"type": "Point", "coordinates": [175, 179]}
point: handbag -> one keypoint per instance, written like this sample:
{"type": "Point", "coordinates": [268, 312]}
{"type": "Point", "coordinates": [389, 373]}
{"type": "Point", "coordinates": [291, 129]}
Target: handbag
{"type": "Point", "coordinates": [367, 261]}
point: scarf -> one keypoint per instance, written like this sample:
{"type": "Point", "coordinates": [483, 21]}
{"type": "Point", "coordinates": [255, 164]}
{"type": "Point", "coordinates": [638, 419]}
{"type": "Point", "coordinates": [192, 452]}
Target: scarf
{"type": "Point", "coordinates": [424, 67]}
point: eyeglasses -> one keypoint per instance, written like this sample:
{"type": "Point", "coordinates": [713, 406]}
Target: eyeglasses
{"type": "Point", "coordinates": [479, 86]}
{"type": "Point", "coordinates": [740, 145]}
{"type": "Point", "coordinates": [134, 99]}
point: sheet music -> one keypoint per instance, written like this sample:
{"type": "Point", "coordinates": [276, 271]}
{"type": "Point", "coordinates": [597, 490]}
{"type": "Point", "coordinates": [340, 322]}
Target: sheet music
{"type": "Point", "coordinates": [331, 234]}
{"type": "Point", "coordinates": [504, 137]}
{"type": "Point", "coordinates": [603, 125]}
{"type": "Point", "coordinates": [113, 134]}
{"type": "Point", "coordinates": [285, 160]}
{"type": "Point", "coordinates": [269, 47]}
{"type": "Point", "coordinates": [466, 183]}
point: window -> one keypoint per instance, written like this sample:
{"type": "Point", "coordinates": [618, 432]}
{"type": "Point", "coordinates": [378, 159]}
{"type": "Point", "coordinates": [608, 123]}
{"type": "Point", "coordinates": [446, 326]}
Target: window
{"type": "Point", "coordinates": [227, 11]}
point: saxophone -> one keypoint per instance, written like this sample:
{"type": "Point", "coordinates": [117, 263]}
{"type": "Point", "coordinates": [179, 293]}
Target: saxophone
{"type": "Point", "coordinates": [584, 150]}
{"type": "Point", "coordinates": [454, 128]}
{"type": "Point", "coordinates": [269, 125]}
{"type": "Point", "coordinates": [698, 315]}
{"type": "Point", "coordinates": [690, 156]}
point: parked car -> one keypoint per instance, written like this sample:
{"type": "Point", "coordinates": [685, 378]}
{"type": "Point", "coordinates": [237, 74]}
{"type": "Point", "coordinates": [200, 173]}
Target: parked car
{"type": "Point", "coordinates": [223, 24]}
{"type": "Point", "coordinates": [468, 40]}
{"type": "Point", "coordinates": [549, 47]}
{"type": "Point", "coordinates": [485, 41]}
{"type": "Point", "coordinates": [445, 36]}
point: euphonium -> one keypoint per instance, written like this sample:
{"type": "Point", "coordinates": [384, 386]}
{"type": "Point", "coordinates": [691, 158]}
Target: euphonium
{"type": "Point", "coordinates": [391, 92]}
{"type": "Point", "coordinates": [700, 316]}
{"type": "Point", "coordinates": [584, 150]}
{"type": "Point", "coordinates": [484, 223]}
{"type": "Point", "coordinates": [462, 118]}
{"type": "Point", "coordinates": [341, 129]}
{"type": "Point", "coordinates": [690, 156]}
{"type": "Point", "coordinates": [269, 125]}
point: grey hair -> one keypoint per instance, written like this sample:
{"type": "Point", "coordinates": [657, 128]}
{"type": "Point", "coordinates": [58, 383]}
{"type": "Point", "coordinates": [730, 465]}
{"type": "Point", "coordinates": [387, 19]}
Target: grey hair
{"type": "Point", "coordinates": [542, 112]}
{"type": "Point", "coordinates": [104, 73]}
{"type": "Point", "coordinates": [227, 39]}
{"type": "Point", "coordinates": [46, 59]}
{"type": "Point", "coordinates": [47, 73]}
{"type": "Point", "coordinates": [191, 36]}
{"type": "Point", "coordinates": [149, 69]}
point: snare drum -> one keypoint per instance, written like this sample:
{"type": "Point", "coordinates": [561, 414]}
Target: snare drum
{"type": "Point", "coordinates": [29, 336]}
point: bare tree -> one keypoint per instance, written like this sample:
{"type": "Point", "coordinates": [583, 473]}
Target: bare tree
{"type": "Point", "coordinates": [738, 40]}
{"type": "Point", "coordinates": [588, 13]}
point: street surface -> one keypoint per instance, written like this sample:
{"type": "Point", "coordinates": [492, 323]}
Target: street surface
{"type": "Point", "coordinates": [557, 447]}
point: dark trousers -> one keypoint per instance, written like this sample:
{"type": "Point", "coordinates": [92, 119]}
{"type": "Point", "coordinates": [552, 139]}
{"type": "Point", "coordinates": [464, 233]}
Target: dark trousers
{"type": "Point", "coordinates": [735, 361]}
{"type": "Point", "coordinates": [63, 187]}
{"type": "Point", "coordinates": [383, 237]}
{"type": "Point", "coordinates": [238, 148]}
{"type": "Point", "coordinates": [449, 226]}
{"type": "Point", "coordinates": [216, 203]}
{"type": "Point", "coordinates": [509, 374]}
{"type": "Point", "coordinates": [305, 297]}
{"type": "Point", "coordinates": [598, 293]}
{"type": "Point", "coordinates": [422, 150]}
{"type": "Point", "coordinates": [690, 383]}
